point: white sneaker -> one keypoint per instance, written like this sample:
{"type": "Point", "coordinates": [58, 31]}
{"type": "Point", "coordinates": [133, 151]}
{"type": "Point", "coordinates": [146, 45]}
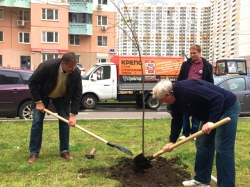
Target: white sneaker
{"type": "Point", "coordinates": [194, 183]}
{"type": "Point", "coordinates": [182, 137]}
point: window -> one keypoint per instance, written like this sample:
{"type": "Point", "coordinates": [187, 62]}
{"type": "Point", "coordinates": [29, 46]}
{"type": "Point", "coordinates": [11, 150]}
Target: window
{"type": "Point", "coordinates": [102, 20]}
{"type": "Point", "coordinates": [50, 37]}
{"type": "Point", "coordinates": [24, 37]}
{"type": "Point", "coordinates": [103, 73]}
{"type": "Point", "coordinates": [7, 77]}
{"type": "Point", "coordinates": [102, 2]}
{"type": "Point", "coordinates": [80, 18]}
{"type": "Point", "coordinates": [24, 15]}
{"type": "Point", "coordinates": [74, 39]}
{"type": "Point", "coordinates": [1, 36]}
{"type": "Point", "coordinates": [78, 58]}
{"type": "Point", "coordinates": [232, 67]}
{"type": "Point", "coordinates": [49, 14]}
{"type": "Point", "coordinates": [102, 41]}
{"type": "Point", "coordinates": [1, 62]}
{"type": "Point", "coordinates": [48, 56]}
{"type": "Point", "coordinates": [1, 13]}
{"type": "Point", "coordinates": [102, 60]}
{"type": "Point", "coordinates": [234, 84]}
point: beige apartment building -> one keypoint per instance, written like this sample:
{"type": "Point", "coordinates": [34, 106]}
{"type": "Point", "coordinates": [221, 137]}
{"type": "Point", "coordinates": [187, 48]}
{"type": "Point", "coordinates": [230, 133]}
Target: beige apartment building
{"type": "Point", "coordinates": [32, 31]}
{"type": "Point", "coordinates": [225, 25]}
{"type": "Point", "coordinates": [230, 30]}
{"type": "Point", "coordinates": [165, 29]}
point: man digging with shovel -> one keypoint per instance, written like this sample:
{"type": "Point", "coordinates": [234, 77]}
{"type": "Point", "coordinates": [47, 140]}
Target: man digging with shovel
{"type": "Point", "coordinates": [60, 81]}
{"type": "Point", "coordinates": [208, 103]}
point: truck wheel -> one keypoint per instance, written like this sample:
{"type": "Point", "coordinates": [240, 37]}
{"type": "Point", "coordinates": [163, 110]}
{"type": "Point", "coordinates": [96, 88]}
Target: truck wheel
{"type": "Point", "coordinates": [89, 101]}
{"type": "Point", "coordinates": [25, 111]}
{"type": "Point", "coordinates": [152, 103]}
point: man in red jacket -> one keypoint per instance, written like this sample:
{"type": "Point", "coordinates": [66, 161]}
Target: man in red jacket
{"type": "Point", "coordinates": [195, 67]}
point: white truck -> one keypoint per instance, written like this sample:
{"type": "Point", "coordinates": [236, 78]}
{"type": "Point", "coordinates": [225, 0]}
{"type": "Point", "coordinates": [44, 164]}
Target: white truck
{"type": "Point", "coordinates": [121, 79]}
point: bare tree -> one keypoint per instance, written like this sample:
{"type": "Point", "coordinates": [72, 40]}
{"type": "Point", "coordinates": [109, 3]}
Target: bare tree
{"type": "Point", "coordinates": [130, 24]}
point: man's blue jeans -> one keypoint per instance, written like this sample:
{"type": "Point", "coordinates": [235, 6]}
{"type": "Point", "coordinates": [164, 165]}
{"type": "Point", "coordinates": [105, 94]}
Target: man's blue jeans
{"type": "Point", "coordinates": [37, 127]}
{"type": "Point", "coordinates": [187, 129]}
{"type": "Point", "coordinates": [221, 140]}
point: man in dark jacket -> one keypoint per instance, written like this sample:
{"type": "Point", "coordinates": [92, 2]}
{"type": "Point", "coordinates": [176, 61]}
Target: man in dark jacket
{"type": "Point", "coordinates": [57, 80]}
{"type": "Point", "coordinates": [195, 67]}
{"type": "Point", "coordinates": [209, 104]}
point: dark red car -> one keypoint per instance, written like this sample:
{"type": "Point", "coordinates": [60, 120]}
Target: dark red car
{"type": "Point", "coordinates": [15, 97]}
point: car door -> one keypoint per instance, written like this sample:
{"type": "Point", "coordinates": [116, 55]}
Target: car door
{"type": "Point", "coordinates": [103, 86]}
{"type": "Point", "coordinates": [239, 87]}
{"type": "Point", "coordinates": [11, 92]}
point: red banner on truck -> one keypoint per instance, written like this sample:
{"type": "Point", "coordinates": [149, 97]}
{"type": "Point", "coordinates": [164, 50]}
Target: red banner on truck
{"type": "Point", "coordinates": [130, 67]}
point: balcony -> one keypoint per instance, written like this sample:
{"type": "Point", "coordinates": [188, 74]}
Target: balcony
{"type": "Point", "coordinates": [81, 6]}
{"type": "Point", "coordinates": [80, 29]}
{"type": "Point", "coordinates": [80, 23]}
{"type": "Point", "coordinates": [15, 3]}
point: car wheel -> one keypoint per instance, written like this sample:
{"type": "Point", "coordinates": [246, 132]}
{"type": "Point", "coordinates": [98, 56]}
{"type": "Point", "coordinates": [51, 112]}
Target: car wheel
{"type": "Point", "coordinates": [89, 102]}
{"type": "Point", "coordinates": [153, 103]}
{"type": "Point", "coordinates": [25, 111]}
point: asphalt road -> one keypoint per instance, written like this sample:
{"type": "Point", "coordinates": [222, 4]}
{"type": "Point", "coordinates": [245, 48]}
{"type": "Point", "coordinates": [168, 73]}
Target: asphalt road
{"type": "Point", "coordinates": [120, 111]}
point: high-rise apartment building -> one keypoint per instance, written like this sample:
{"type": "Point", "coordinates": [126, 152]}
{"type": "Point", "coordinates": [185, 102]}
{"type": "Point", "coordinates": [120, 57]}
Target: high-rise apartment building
{"type": "Point", "coordinates": [225, 25]}
{"type": "Point", "coordinates": [230, 30]}
{"type": "Point", "coordinates": [164, 29]}
{"type": "Point", "coordinates": [32, 31]}
{"type": "Point", "coordinates": [244, 31]}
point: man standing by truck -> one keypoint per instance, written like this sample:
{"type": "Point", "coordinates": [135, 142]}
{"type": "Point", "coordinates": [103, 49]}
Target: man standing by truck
{"type": "Point", "coordinates": [195, 67]}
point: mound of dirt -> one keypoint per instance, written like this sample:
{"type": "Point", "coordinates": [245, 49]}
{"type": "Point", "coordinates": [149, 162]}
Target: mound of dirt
{"type": "Point", "coordinates": [165, 172]}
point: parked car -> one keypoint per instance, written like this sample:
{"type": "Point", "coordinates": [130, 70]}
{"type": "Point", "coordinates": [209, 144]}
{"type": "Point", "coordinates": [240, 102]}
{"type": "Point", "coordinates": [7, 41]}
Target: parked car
{"type": "Point", "coordinates": [82, 69]}
{"type": "Point", "coordinates": [15, 97]}
{"type": "Point", "coordinates": [15, 100]}
{"type": "Point", "coordinates": [240, 86]}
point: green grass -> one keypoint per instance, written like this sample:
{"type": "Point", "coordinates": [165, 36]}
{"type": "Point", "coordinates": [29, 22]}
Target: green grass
{"type": "Point", "coordinates": [52, 171]}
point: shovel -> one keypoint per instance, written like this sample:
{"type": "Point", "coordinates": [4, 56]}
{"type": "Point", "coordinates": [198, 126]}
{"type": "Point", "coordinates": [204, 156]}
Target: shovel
{"type": "Point", "coordinates": [120, 148]}
{"type": "Point", "coordinates": [141, 162]}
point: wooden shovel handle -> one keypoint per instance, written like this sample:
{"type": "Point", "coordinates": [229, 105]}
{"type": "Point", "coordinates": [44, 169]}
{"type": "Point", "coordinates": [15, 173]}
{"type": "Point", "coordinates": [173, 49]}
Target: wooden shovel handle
{"type": "Point", "coordinates": [77, 126]}
{"type": "Point", "coordinates": [191, 137]}
{"type": "Point", "coordinates": [92, 151]}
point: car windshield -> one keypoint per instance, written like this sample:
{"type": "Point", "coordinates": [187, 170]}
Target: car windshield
{"type": "Point", "coordinates": [217, 79]}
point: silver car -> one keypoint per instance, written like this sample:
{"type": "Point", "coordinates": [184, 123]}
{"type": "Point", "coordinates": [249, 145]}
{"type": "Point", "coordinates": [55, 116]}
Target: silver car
{"type": "Point", "coordinates": [81, 68]}
{"type": "Point", "coordinates": [239, 85]}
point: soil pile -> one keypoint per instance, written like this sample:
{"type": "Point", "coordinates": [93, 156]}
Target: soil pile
{"type": "Point", "coordinates": [165, 172]}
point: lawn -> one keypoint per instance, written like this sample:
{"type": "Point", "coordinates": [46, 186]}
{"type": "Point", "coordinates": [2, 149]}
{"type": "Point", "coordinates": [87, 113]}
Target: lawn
{"type": "Point", "coordinates": [52, 171]}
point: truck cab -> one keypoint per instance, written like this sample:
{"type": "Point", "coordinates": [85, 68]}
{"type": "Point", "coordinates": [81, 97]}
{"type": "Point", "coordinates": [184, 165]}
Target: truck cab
{"type": "Point", "coordinates": [231, 66]}
{"type": "Point", "coordinates": [99, 83]}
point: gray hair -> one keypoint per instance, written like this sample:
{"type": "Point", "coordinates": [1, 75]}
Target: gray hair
{"type": "Point", "coordinates": [162, 88]}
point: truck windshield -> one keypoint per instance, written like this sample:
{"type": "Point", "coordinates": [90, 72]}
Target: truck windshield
{"type": "Point", "coordinates": [90, 71]}
{"type": "Point", "coordinates": [231, 66]}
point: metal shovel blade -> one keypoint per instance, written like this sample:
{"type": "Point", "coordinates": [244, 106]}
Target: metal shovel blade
{"type": "Point", "coordinates": [120, 148]}
{"type": "Point", "coordinates": [141, 162]}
